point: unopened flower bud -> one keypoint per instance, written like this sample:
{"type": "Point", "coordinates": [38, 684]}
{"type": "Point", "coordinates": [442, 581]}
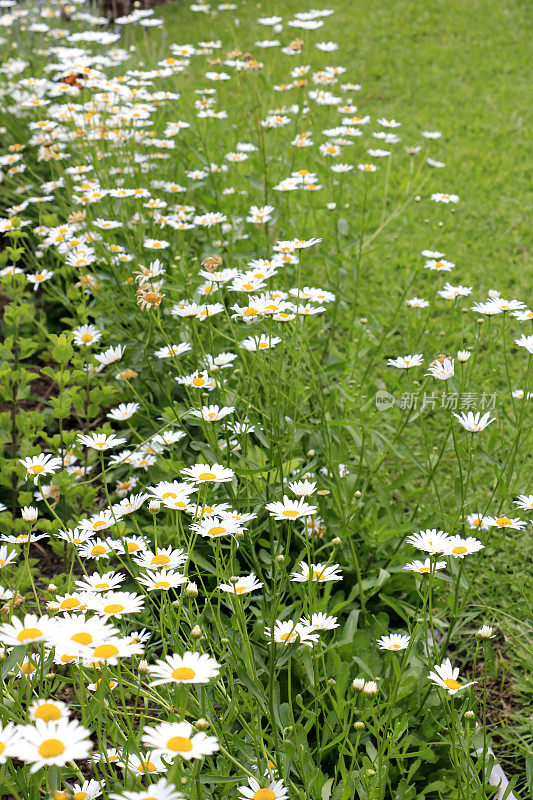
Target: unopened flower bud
{"type": "Point", "coordinates": [224, 640]}
{"type": "Point", "coordinates": [191, 590]}
{"type": "Point", "coordinates": [370, 688]}
{"type": "Point", "coordinates": [154, 506]}
{"type": "Point", "coordinates": [358, 684]}
{"type": "Point", "coordinates": [484, 632]}
{"type": "Point", "coordinates": [234, 579]}
{"type": "Point", "coordinates": [359, 725]}
{"type": "Point", "coordinates": [196, 632]}
{"type": "Point", "coordinates": [332, 681]}
{"type": "Point", "coordinates": [336, 541]}
{"type": "Point", "coordinates": [52, 587]}
{"type": "Point", "coordinates": [143, 666]}
{"type": "Point", "coordinates": [280, 559]}
{"type": "Point", "coordinates": [470, 715]}
{"type": "Point", "coordinates": [202, 724]}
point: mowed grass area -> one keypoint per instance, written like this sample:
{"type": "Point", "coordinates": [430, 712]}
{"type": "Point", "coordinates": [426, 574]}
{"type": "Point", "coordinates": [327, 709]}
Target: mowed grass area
{"type": "Point", "coordinates": [460, 68]}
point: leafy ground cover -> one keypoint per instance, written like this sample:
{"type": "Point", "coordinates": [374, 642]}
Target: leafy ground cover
{"type": "Point", "coordinates": [265, 379]}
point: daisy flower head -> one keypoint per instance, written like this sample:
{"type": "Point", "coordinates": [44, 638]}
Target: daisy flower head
{"type": "Point", "coordinates": [513, 523]}
{"type": "Point", "coordinates": [287, 632]}
{"type": "Point", "coordinates": [424, 567]}
{"type": "Point", "coordinates": [303, 488]}
{"type": "Point", "coordinates": [523, 501]}
{"type": "Point", "coordinates": [205, 473]}
{"type": "Point", "coordinates": [6, 557]}
{"type": "Point", "coordinates": [213, 527]}
{"type": "Point", "coordinates": [162, 580]}
{"type": "Point", "coordinates": [463, 355]}
{"type": "Point", "coordinates": [526, 342]}
{"type": "Point", "coordinates": [244, 585]}
{"type": "Point", "coordinates": [394, 642]}
{"type": "Point", "coordinates": [254, 791]}
{"type": "Point", "coordinates": [100, 583]}
{"type": "Point", "coordinates": [320, 622]}
{"type": "Point", "coordinates": [262, 342]}
{"type": "Point", "coordinates": [8, 742]}
{"type": "Point", "coordinates": [123, 411]}
{"type": "Point", "coordinates": [117, 604]}
{"type": "Point", "coordinates": [86, 335]}
{"type": "Point", "coordinates": [191, 667]}
{"type": "Point", "coordinates": [442, 197]}
{"type": "Point", "coordinates": [474, 422]}
{"type": "Point", "coordinates": [49, 710]}
{"type": "Point", "coordinates": [162, 790]}
{"type": "Point", "coordinates": [316, 572]}
{"type": "Point", "coordinates": [290, 509]}
{"type": "Point", "coordinates": [38, 466]}
{"type": "Point", "coordinates": [442, 368]}
{"type": "Point", "coordinates": [459, 548]}
{"type": "Point", "coordinates": [100, 441]}
{"type": "Point", "coordinates": [431, 540]}
{"type": "Point", "coordinates": [477, 521]}
{"type": "Point", "coordinates": [162, 558]}
{"type": "Point", "coordinates": [55, 743]}
{"type": "Point", "coordinates": [485, 632]}
{"type": "Point", "coordinates": [171, 739]}
{"type": "Point", "coordinates": [110, 356]}
{"type": "Point", "coordinates": [406, 362]}
{"type": "Point", "coordinates": [445, 676]}
{"type": "Point", "coordinates": [211, 413]}
{"type": "Point", "coordinates": [147, 764]}
{"type": "Point", "coordinates": [28, 631]}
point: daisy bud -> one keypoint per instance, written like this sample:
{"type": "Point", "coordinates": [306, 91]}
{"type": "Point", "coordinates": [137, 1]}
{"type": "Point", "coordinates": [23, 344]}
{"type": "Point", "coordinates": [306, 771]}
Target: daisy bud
{"type": "Point", "coordinates": [29, 513]}
{"type": "Point", "coordinates": [51, 587]}
{"type": "Point", "coordinates": [363, 320]}
{"type": "Point", "coordinates": [331, 206]}
{"type": "Point", "coordinates": [196, 632]}
{"type": "Point", "coordinates": [191, 590]}
{"type": "Point", "coordinates": [234, 579]}
{"type": "Point", "coordinates": [202, 724]}
{"type": "Point", "coordinates": [358, 684]}
{"type": "Point", "coordinates": [224, 640]}
{"type": "Point", "coordinates": [370, 772]}
{"type": "Point", "coordinates": [332, 681]}
{"type": "Point", "coordinates": [357, 493]}
{"type": "Point", "coordinates": [359, 725]}
{"type": "Point", "coordinates": [154, 506]}
{"type": "Point", "coordinates": [310, 453]}
{"type": "Point", "coordinates": [370, 688]}
{"type": "Point", "coordinates": [143, 666]}
{"type": "Point", "coordinates": [336, 541]}
{"type": "Point", "coordinates": [280, 559]}
{"type": "Point", "coordinates": [239, 534]}
{"type": "Point", "coordinates": [418, 198]}
{"type": "Point", "coordinates": [485, 632]}
{"type": "Point", "coordinates": [470, 715]}
{"type": "Point", "coordinates": [184, 780]}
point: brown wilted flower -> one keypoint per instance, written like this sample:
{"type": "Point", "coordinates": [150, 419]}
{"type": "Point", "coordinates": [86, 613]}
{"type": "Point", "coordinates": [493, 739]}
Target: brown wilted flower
{"type": "Point", "coordinates": [211, 263]}
{"type": "Point", "coordinates": [76, 216]}
{"type": "Point", "coordinates": [148, 297]}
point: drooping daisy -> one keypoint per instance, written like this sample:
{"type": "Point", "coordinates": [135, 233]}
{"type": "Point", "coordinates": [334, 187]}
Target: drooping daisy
{"type": "Point", "coordinates": [55, 743]}
{"type": "Point", "coordinates": [474, 422]}
{"type": "Point", "coordinates": [445, 675]}
{"type": "Point", "coordinates": [191, 667]}
{"type": "Point", "coordinates": [424, 567]}
{"type": "Point", "coordinates": [290, 509]}
{"type": "Point", "coordinates": [244, 585]}
{"type": "Point", "coordinates": [523, 501]}
{"type": "Point", "coordinates": [171, 739]}
{"type": "Point", "coordinates": [6, 557]}
{"type": "Point", "coordinates": [316, 572]}
{"type": "Point", "coordinates": [393, 641]}
{"type": "Point", "coordinates": [406, 362]}
{"type": "Point", "coordinates": [442, 368]}
{"type": "Point", "coordinates": [320, 622]}
{"type": "Point", "coordinates": [288, 632]}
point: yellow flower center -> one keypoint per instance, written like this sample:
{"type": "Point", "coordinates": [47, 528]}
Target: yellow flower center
{"type": "Point", "coordinates": [71, 602]}
{"type": "Point", "coordinates": [48, 712]}
{"type": "Point", "coordinates": [106, 651]}
{"type": "Point", "coordinates": [101, 586]}
{"type": "Point", "coordinates": [179, 744]}
{"type": "Point", "coordinates": [207, 476]}
{"type": "Point", "coordinates": [160, 559]}
{"type": "Point", "coordinates": [289, 636]}
{"type": "Point", "coordinates": [79, 795]}
{"type": "Point", "coordinates": [147, 766]}
{"type": "Point", "coordinates": [113, 608]}
{"type": "Point", "coordinates": [503, 522]}
{"type": "Point", "coordinates": [28, 668]}
{"type": "Point", "coordinates": [290, 512]}
{"type": "Point", "coordinates": [424, 569]}
{"type": "Point", "coordinates": [264, 794]}
{"type": "Point", "coordinates": [51, 748]}
{"type": "Point", "coordinates": [318, 576]}
{"type": "Point", "coordinates": [250, 312]}
{"type": "Point", "coordinates": [396, 646]}
{"type": "Point", "coordinates": [132, 547]}
{"type": "Point", "coordinates": [29, 633]}
{"type": "Point", "coordinates": [183, 674]}
{"type": "Point", "coordinates": [198, 381]}
{"type": "Point", "coordinates": [98, 550]}
{"type": "Point", "coordinates": [263, 345]}
{"type": "Point", "coordinates": [169, 494]}
{"type": "Point", "coordinates": [240, 589]}
{"type": "Point", "coordinates": [451, 683]}
{"type": "Point", "coordinates": [460, 549]}
{"type": "Point", "coordinates": [36, 469]}
{"type": "Point", "coordinates": [82, 638]}
{"type": "Point", "coordinates": [161, 585]}
{"type": "Point", "coordinates": [87, 337]}
{"type": "Point", "coordinates": [216, 530]}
